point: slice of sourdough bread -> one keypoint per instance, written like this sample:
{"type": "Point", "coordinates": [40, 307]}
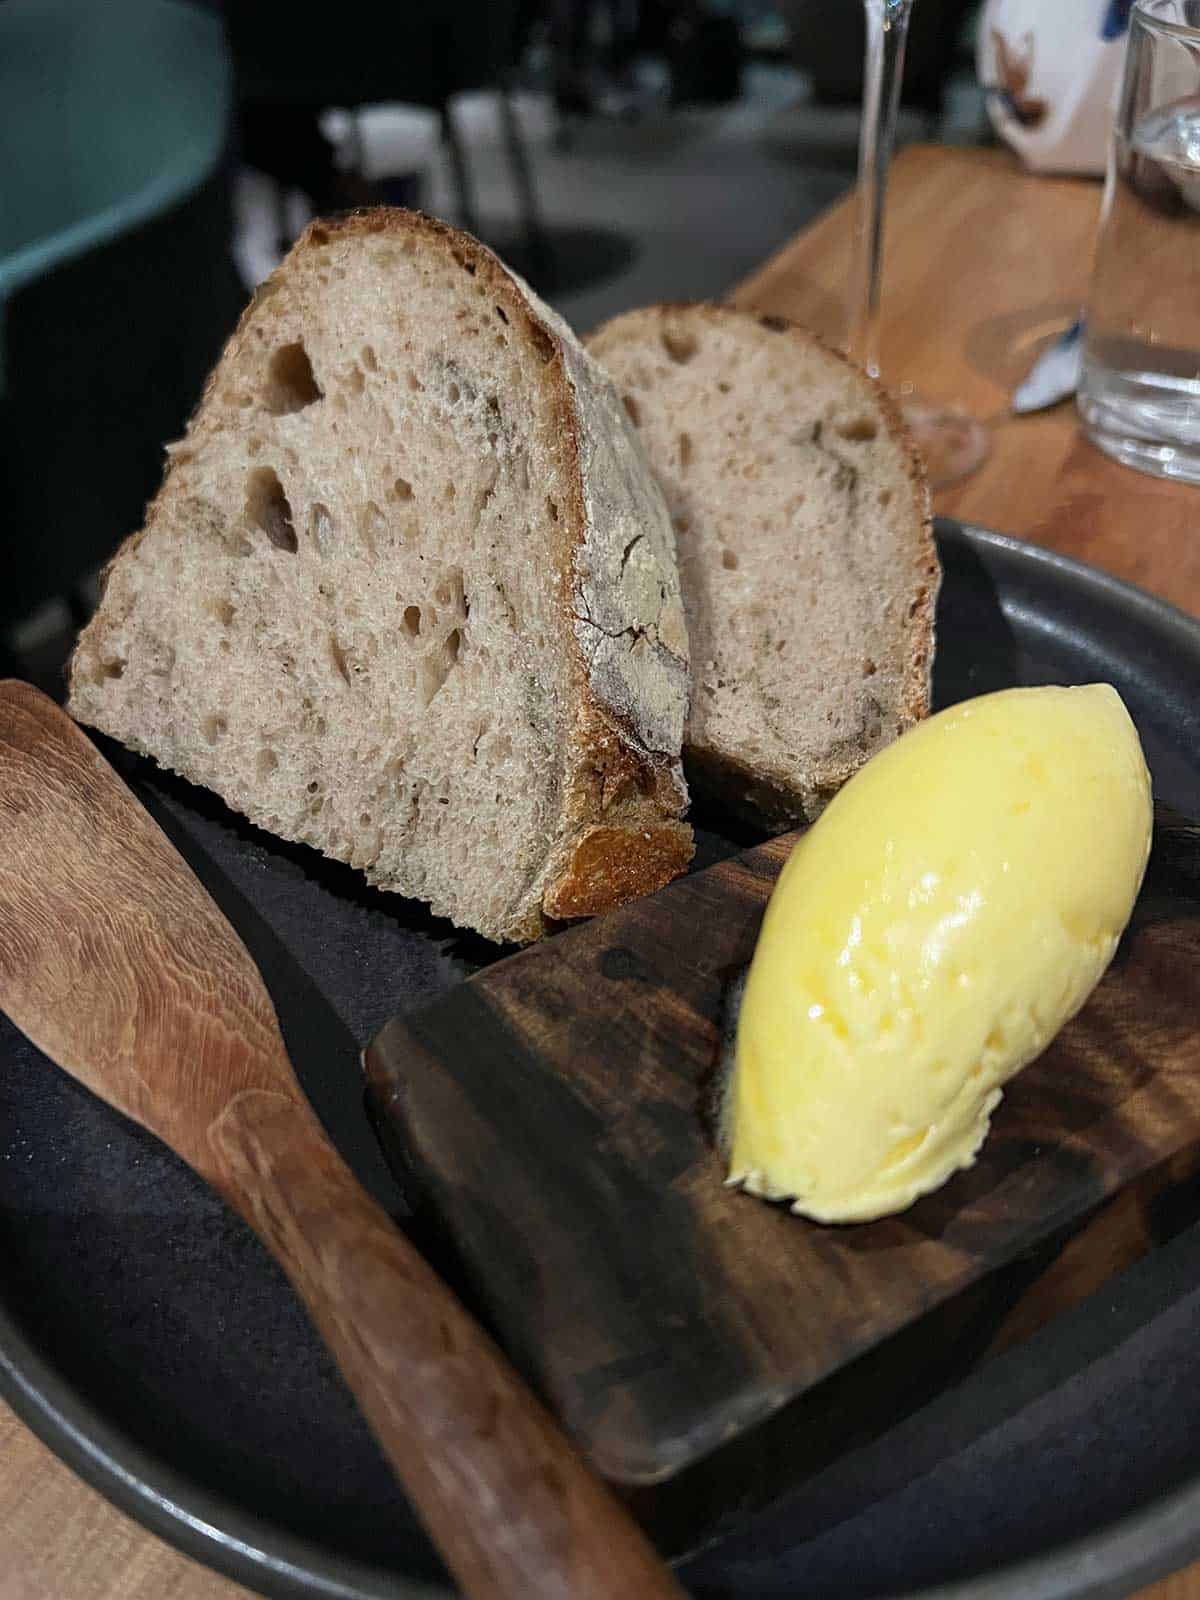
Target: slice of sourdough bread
{"type": "Point", "coordinates": [808, 567]}
{"type": "Point", "coordinates": [408, 591]}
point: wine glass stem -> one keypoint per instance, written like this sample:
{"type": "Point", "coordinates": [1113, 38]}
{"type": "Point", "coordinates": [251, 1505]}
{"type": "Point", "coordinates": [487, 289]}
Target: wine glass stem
{"type": "Point", "coordinates": [887, 34]}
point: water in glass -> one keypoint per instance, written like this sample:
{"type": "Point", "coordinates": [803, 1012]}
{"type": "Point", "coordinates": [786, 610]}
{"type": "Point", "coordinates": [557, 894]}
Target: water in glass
{"type": "Point", "coordinates": [1140, 394]}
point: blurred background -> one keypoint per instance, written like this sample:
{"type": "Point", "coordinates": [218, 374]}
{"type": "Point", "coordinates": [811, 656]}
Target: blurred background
{"type": "Point", "coordinates": [161, 155]}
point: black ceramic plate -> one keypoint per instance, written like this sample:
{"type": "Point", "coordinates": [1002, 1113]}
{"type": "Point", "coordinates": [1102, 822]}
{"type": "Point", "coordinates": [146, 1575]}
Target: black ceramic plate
{"type": "Point", "coordinates": [146, 1336]}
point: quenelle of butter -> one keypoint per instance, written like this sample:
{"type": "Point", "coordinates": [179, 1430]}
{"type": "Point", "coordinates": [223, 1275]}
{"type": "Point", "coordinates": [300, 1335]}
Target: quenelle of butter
{"type": "Point", "coordinates": [955, 904]}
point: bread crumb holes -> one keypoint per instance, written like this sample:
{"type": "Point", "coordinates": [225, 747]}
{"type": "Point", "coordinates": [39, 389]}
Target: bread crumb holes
{"type": "Point", "coordinates": [268, 509]}
{"type": "Point", "coordinates": [858, 430]}
{"type": "Point", "coordinates": [680, 345]}
{"type": "Point", "coordinates": [291, 382]}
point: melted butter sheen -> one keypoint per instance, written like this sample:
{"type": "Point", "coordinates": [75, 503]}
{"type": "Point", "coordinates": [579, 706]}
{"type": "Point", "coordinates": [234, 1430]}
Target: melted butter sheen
{"type": "Point", "coordinates": [953, 907]}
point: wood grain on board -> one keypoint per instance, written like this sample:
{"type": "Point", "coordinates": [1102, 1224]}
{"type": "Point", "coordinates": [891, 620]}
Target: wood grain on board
{"type": "Point", "coordinates": [662, 1313]}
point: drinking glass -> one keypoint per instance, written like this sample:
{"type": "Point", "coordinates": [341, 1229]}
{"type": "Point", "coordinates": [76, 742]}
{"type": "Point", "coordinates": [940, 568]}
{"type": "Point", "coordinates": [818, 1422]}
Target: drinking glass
{"type": "Point", "coordinates": [1139, 397]}
{"type": "Point", "coordinates": [952, 443]}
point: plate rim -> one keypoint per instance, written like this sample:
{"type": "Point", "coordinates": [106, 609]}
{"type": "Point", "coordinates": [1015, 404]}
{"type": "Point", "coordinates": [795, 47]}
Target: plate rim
{"type": "Point", "coordinates": [1122, 1556]}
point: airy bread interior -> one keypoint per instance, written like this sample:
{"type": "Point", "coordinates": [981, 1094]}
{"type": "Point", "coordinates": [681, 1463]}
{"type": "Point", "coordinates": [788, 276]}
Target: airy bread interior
{"type": "Point", "coordinates": [349, 612]}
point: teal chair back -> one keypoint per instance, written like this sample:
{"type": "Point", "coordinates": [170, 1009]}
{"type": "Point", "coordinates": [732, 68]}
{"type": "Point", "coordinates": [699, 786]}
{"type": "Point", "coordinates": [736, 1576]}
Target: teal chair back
{"type": "Point", "coordinates": [111, 111]}
{"type": "Point", "coordinates": [116, 281]}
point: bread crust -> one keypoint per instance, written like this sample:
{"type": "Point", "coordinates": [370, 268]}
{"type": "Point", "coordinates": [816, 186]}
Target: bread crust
{"type": "Point", "coordinates": [756, 793]}
{"type": "Point", "coordinates": [621, 779]}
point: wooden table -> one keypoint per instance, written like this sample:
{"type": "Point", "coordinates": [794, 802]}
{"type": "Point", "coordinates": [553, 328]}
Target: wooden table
{"type": "Point", "coordinates": [984, 266]}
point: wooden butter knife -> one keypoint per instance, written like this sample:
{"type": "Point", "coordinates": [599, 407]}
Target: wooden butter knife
{"type": "Point", "coordinates": [117, 964]}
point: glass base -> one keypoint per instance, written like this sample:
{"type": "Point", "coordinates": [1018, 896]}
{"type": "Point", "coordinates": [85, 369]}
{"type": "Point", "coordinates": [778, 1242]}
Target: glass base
{"type": "Point", "coordinates": [1113, 429]}
{"type": "Point", "coordinates": [951, 443]}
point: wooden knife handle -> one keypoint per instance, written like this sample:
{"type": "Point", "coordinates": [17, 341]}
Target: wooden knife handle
{"type": "Point", "coordinates": [513, 1510]}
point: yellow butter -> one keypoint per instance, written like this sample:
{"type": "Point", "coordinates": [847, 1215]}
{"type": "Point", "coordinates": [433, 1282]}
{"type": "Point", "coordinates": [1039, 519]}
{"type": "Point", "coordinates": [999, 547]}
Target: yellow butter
{"type": "Point", "coordinates": [956, 903]}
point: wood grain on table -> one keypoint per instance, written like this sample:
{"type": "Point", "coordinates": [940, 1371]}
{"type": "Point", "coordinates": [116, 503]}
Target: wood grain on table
{"type": "Point", "coordinates": [60, 1540]}
{"type": "Point", "coordinates": [984, 266]}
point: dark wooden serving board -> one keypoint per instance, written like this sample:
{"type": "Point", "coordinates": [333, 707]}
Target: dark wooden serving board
{"type": "Point", "coordinates": [552, 1112]}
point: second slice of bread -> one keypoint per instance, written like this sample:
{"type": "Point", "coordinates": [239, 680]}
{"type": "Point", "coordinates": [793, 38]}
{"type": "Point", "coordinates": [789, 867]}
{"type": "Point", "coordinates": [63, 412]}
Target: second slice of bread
{"type": "Point", "coordinates": [806, 559]}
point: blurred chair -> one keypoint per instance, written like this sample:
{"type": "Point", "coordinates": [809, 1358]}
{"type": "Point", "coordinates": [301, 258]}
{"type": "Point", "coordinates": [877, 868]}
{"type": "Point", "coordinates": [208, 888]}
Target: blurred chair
{"type": "Point", "coordinates": [292, 61]}
{"type": "Point", "coordinates": [116, 283]}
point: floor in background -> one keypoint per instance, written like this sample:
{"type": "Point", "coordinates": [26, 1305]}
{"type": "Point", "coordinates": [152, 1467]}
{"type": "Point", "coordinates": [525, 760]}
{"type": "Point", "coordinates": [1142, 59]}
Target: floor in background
{"type": "Point", "coordinates": [699, 195]}
{"type": "Point", "coordinates": [679, 204]}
